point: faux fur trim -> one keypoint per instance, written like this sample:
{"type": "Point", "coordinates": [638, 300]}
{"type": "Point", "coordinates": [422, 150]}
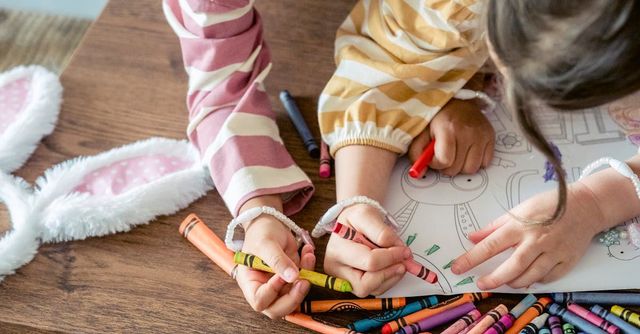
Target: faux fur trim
{"type": "Point", "coordinates": [37, 120]}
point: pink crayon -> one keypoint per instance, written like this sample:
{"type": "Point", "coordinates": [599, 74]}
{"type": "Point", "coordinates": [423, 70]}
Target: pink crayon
{"type": "Point", "coordinates": [487, 320]}
{"type": "Point", "coordinates": [413, 267]}
{"type": "Point", "coordinates": [325, 161]}
{"type": "Point", "coordinates": [502, 325]}
{"type": "Point", "coordinates": [462, 323]}
{"type": "Point", "coordinates": [593, 318]}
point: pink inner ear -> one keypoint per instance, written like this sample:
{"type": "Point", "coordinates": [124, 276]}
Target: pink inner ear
{"type": "Point", "coordinates": [13, 99]}
{"type": "Point", "coordinates": [124, 175]}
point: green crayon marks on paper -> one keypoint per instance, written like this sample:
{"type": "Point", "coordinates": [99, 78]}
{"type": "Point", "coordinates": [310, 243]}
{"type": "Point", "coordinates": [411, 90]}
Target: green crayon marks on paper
{"type": "Point", "coordinates": [448, 265]}
{"type": "Point", "coordinates": [465, 281]}
{"type": "Point", "coordinates": [432, 250]}
{"type": "Point", "coordinates": [411, 238]}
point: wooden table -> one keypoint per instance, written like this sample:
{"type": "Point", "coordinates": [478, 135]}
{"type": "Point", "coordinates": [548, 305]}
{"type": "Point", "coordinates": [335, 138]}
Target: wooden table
{"type": "Point", "coordinates": [126, 82]}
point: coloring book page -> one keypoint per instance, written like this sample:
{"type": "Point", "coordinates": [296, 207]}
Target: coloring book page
{"type": "Point", "coordinates": [437, 213]}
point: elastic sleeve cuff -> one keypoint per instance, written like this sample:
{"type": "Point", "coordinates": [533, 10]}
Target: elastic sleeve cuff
{"type": "Point", "coordinates": [387, 138]}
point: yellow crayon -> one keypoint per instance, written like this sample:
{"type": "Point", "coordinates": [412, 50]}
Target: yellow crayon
{"type": "Point", "coordinates": [626, 314]}
{"type": "Point", "coordinates": [313, 277]}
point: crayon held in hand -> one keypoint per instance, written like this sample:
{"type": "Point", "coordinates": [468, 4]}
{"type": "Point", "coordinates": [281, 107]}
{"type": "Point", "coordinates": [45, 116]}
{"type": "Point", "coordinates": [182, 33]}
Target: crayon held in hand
{"type": "Point", "coordinates": [413, 267]}
{"type": "Point", "coordinates": [342, 305]}
{"type": "Point", "coordinates": [313, 277]}
{"type": "Point", "coordinates": [298, 121]}
{"type": "Point", "coordinates": [423, 160]}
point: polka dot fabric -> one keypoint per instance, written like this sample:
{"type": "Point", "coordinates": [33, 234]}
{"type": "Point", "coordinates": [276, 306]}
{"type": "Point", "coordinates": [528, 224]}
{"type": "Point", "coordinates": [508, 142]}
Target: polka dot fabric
{"type": "Point", "coordinates": [121, 176]}
{"type": "Point", "coordinates": [13, 99]}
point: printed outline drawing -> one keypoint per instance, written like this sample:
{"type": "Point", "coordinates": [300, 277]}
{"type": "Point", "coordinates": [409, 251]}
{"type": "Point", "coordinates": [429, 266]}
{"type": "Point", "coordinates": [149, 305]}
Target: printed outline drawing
{"type": "Point", "coordinates": [617, 251]}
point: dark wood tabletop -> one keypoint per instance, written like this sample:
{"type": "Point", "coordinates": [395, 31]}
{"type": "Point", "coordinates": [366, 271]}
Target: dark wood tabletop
{"type": "Point", "coordinates": [125, 83]}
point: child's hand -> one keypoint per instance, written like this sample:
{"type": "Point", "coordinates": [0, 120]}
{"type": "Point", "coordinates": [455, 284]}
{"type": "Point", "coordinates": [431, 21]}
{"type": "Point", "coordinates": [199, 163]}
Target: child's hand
{"type": "Point", "coordinates": [542, 253]}
{"type": "Point", "coordinates": [464, 139]}
{"type": "Point", "coordinates": [270, 294]}
{"type": "Point", "coordinates": [370, 271]}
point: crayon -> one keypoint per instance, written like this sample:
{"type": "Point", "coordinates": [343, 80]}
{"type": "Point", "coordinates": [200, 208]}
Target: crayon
{"type": "Point", "coordinates": [507, 320]}
{"type": "Point", "coordinates": [435, 320]}
{"type": "Point", "coordinates": [535, 325]}
{"type": "Point", "coordinates": [409, 319]}
{"type": "Point", "coordinates": [487, 320]}
{"type": "Point", "coordinates": [574, 320]}
{"type": "Point", "coordinates": [201, 236]}
{"type": "Point", "coordinates": [555, 324]}
{"type": "Point", "coordinates": [325, 161]}
{"type": "Point", "coordinates": [308, 322]}
{"type": "Point", "coordinates": [626, 315]}
{"type": "Point", "coordinates": [462, 323]}
{"type": "Point", "coordinates": [412, 266]}
{"type": "Point", "coordinates": [607, 298]}
{"type": "Point", "coordinates": [593, 318]}
{"type": "Point", "coordinates": [531, 313]}
{"type": "Point", "coordinates": [423, 160]}
{"type": "Point", "coordinates": [299, 123]}
{"type": "Point", "coordinates": [318, 279]}
{"type": "Point", "coordinates": [568, 329]}
{"type": "Point", "coordinates": [341, 305]}
{"type": "Point", "coordinates": [624, 326]}
{"type": "Point", "coordinates": [544, 330]}
{"type": "Point", "coordinates": [378, 320]}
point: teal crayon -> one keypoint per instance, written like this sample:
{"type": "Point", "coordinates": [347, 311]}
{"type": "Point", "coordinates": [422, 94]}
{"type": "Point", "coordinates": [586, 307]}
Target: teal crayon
{"type": "Point", "coordinates": [378, 320]}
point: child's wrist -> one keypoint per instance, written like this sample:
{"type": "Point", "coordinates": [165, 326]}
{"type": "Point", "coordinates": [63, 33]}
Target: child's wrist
{"type": "Point", "coordinates": [597, 220]}
{"type": "Point", "coordinates": [274, 201]}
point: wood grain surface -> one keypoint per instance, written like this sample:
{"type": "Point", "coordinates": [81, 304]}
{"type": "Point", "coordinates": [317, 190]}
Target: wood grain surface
{"type": "Point", "coordinates": [125, 83]}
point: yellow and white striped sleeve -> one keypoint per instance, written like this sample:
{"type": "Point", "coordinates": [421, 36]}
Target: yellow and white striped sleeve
{"type": "Point", "coordinates": [398, 62]}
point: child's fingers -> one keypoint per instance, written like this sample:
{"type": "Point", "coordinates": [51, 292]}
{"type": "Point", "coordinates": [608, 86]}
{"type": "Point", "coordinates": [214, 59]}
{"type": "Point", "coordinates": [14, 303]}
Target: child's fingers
{"type": "Point", "coordinates": [488, 153]}
{"type": "Point", "coordinates": [288, 302]}
{"type": "Point", "coordinates": [510, 269]}
{"type": "Point", "coordinates": [473, 162]}
{"type": "Point", "coordinates": [445, 148]}
{"type": "Point", "coordinates": [375, 229]}
{"type": "Point", "coordinates": [462, 150]}
{"type": "Point", "coordinates": [558, 271]}
{"type": "Point", "coordinates": [536, 271]}
{"type": "Point", "coordinates": [417, 145]}
{"type": "Point", "coordinates": [364, 283]}
{"type": "Point", "coordinates": [363, 258]}
{"type": "Point", "coordinates": [478, 236]}
{"type": "Point", "coordinates": [307, 258]}
{"type": "Point", "coordinates": [491, 246]}
{"type": "Point", "coordinates": [388, 284]}
{"type": "Point", "coordinates": [259, 294]}
{"type": "Point", "coordinates": [274, 256]}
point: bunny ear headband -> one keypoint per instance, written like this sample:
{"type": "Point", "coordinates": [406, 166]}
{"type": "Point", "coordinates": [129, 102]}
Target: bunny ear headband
{"type": "Point", "coordinates": [87, 196]}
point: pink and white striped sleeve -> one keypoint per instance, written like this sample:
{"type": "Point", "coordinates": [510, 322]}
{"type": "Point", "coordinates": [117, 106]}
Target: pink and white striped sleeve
{"type": "Point", "coordinates": [231, 120]}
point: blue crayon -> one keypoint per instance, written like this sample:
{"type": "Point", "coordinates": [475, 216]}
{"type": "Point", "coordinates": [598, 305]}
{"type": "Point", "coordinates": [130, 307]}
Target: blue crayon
{"type": "Point", "coordinates": [298, 121]}
{"type": "Point", "coordinates": [607, 298]}
{"type": "Point", "coordinates": [523, 305]}
{"type": "Point", "coordinates": [574, 320]}
{"type": "Point", "coordinates": [544, 330]}
{"type": "Point", "coordinates": [555, 325]}
{"type": "Point", "coordinates": [378, 320]}
{"type": "Point", "coordinates": [624, 326]}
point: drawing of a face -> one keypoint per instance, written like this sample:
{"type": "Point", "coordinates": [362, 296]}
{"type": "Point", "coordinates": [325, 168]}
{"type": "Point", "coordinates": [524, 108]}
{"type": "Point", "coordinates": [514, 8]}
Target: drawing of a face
{"type": "Point", "coordinates": [438, 189]}
{"type": "Point", "coordinates": [625, 251]}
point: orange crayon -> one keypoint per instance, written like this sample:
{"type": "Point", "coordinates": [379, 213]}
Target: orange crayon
{"type": "Point", "coordinates": [308, 322]}
{"type": "Point", "coordinates": [528, 315]}
{"type": "Point", "coordinates": [201, 236]}
{"type": "Point", "coordinates": [395, 325]}
{"type": "Point", "coordinates": [341, 305]}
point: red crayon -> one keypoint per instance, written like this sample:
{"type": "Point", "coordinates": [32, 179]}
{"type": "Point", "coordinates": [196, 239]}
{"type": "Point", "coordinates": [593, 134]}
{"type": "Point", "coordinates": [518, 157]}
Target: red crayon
{"type": "Point", "coordinates": [325, 161]}
{"type": "Point", "coordinates": [413, 267]}
{"type": "Point", "coordinates": [593, 318]}
{"type": "Point", "coordinates": [423, 160]}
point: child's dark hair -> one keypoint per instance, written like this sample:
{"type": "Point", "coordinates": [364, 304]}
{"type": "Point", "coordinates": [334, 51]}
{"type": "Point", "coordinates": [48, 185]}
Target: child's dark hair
{"type": "Point", "coordinates": [567, 54]}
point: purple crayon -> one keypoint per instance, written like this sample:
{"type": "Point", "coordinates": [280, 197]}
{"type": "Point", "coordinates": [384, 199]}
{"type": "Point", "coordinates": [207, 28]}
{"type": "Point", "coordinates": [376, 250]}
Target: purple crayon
{"type": "Point", "coordinates": [437, 319]}
{"type": "Point", "coordinates": [462, 323]}
{"type": "Point", "coordinates": [624, 326]}
{"type": "Point", "coordinates": [593, 318]}
{"type": "Point", "coordinates": [507, 320]}
{"type": "Point", "coordinates": [555, 325]}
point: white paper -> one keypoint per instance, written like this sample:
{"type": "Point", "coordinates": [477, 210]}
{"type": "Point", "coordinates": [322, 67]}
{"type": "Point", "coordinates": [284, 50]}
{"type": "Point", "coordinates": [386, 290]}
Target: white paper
{"type": "Point", "coordinates": [441, 211]}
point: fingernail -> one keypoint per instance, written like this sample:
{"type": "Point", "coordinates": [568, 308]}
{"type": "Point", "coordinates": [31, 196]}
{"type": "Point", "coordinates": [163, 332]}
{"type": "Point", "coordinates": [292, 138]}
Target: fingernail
{"type": "Point", "coordinates": [290, 275]}
{"type": "Point", "coordinates": [455, 268]}
{"type": "Point", "coordinates": [407, 253]}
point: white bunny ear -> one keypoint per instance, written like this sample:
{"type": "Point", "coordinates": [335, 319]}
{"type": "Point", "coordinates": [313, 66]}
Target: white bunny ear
{"type": "Point", "coordinates": [29, 105]}
{"type": "Point", "coordinates": [20, 244]}
{"type": "Point", "coordinates": [115, 190]}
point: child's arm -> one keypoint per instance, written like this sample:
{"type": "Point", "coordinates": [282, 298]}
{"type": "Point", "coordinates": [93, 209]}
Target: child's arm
{"type": "Point", "coordinates": [545, 253]}
{"type": "Point", "coordinates": [397, 66]}
{"type": "Point", "coordinates": [233, 126]}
